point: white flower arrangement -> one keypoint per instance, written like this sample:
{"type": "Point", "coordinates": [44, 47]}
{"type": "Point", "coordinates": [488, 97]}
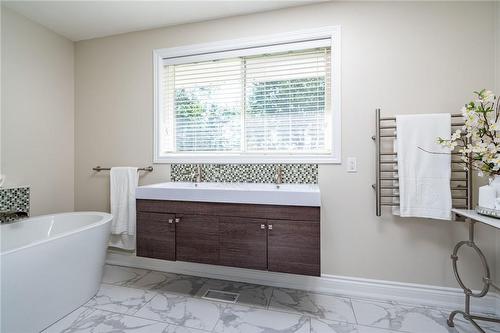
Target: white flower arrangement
{"type": "Point", "coordinates": [478, 141]}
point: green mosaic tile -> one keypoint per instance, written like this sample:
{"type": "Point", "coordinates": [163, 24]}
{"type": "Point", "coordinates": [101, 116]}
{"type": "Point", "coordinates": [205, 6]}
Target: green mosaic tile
{"type": "Point", "coordinates": [247, 173]}
{"type": "Point", "coordinates": [14, 199]}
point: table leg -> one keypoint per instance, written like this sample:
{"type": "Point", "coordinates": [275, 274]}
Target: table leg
{"type": "Point", "coordinates": [468, 292]}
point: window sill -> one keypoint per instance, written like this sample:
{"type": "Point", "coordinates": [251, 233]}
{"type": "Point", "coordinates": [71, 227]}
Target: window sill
{"type": "Point", "coordinates": [253, 159]}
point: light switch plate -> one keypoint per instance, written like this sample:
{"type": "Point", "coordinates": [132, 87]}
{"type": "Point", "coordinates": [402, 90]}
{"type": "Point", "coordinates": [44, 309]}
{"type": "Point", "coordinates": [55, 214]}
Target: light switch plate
{"type": "Point", "coordinates": [352, 164]}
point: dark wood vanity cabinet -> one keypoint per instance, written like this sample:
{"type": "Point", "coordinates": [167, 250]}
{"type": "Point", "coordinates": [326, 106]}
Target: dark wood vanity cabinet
{"type": "Point", "coordinates": [293, 246]}
{"type": "Point", "coordinates": [197, 238]}
{"type": "Point", "coordinates": [264, 237]}
{"type": "Point", "coordinates": [243, 242]}
{"type": "Point", "coordinates": [156, 235]}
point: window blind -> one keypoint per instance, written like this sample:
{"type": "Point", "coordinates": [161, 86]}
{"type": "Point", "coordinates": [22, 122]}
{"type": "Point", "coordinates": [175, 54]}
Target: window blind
{"type": "Point", "coordinates": [259, 104]}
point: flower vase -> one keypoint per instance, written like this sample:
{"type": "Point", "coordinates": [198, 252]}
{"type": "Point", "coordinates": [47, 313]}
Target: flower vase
{"type": "Point", "coordinates": [495, 183]}
{"type": "Point", "coordinates": [489, 198]}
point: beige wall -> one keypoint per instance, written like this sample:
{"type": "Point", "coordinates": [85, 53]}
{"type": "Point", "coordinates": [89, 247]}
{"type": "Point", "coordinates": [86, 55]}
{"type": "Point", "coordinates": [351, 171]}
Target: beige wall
{"type": "Point", "coordinates": [497, 92]}
{"type": "Point", "coordinates": [38, 113]}
{"type": "Point", "coordinates": [402, 57]}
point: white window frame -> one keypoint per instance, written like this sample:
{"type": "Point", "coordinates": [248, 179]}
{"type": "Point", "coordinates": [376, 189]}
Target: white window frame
{"type": "Point", "coordinates": [198, 51]}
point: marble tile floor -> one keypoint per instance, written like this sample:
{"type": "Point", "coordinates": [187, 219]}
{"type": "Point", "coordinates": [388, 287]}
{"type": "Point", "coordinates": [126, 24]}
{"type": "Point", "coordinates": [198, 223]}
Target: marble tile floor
{"type": "Point", "coordinates": [141, 301]}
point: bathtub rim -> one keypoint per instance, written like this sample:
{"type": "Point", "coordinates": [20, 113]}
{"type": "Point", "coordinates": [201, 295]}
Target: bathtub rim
{"type": "Point", "coordinates": [105, 218]}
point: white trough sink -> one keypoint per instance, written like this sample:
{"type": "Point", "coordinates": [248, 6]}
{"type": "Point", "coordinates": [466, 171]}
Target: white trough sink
{"type": "Point", "coordinates": [247, 193]}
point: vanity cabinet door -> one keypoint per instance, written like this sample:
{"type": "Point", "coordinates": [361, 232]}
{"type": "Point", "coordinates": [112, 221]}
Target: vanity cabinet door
{"type": "Point", "coordinates": [243, 242]}
{"type": "Point", "coordinates": [156, 235]}
{"type": "Point", "coordinates": [294, 247]}
{"type": "Point", "coordinates": [197, 238]}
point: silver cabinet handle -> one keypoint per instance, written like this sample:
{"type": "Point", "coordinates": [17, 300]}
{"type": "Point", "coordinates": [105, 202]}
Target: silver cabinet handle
{"type": "Point", "coordinates": [177, 219]}
{"type": "Point", "coordinates": [170, 221]}
{"type": "Point", "coordinates": [263, 226]}
{"type": "Point", "coordinates": [270, 227]}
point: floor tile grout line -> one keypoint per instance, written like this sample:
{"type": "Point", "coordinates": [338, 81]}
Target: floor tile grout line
{"type": "Point", "coordinates": [223, 308]}
{"type": "Point", "coordinates": [400, 303]}
{"type": "Point", "coordinates": [138, 317]}
{"type": "Point", "coordinates": [356, 325]}
{"type": "Point", "coordinates": [395, 330]}
{"type": "Point", "coordinates": [270, 298]}
{"type": "Point", "coordinates": [143, 306]}
{"type": "Point", "coordinates": [444, 312]}
{"type": "Point", "coordinates": [159, 290]}
{"type": "Point", "coordinates": [280, 311]}
{"type": "Point", "coordinates": [296, 312]}
{"type": "Point", "coordinates": [380, 328]}
{"type": "Point", "coordinates": [186, 297]}
{"type": "Point", "coordinates": [353, 311]}
{"type": "Point", "coordinates": [60, 319]}
{"type": "Point", "coordinates": [154, 294]}
{"type": "Point", "coordinates": [154, 291]}
{"type": "Point", "coordinates": [215, 326]}
{"type": "Point", "coordinates": [131, 269]}
{"type": "Point", "coordinates": [129, 315]}
{"type": "Point", "coordinates": [304, 314]}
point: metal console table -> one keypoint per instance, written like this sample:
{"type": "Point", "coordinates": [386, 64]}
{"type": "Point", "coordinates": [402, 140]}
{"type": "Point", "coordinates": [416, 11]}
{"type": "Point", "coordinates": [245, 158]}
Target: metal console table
{"type": "Point", "coordinates": [472, 218]}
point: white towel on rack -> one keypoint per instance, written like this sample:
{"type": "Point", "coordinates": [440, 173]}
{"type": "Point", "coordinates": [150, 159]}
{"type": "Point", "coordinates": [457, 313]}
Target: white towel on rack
{"type": "Point", "coordinates": [395, 182]}
{"type": "Point", "coordinates": [123, 182]}
{"type": "Point", "coordinates": [424, 166]}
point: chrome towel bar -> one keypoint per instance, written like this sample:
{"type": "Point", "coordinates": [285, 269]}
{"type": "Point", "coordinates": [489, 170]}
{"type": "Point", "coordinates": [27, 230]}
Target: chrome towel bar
{"type": "Point", "coordinates": [99, 168]}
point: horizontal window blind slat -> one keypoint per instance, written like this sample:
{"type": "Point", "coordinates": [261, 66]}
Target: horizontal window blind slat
{"type": "Point", "coordinates": [235, 70]}
{"type": "Point", "coordinates": [267, 107]}
{"type": "Point", "coordinates": [286, 66]}
{"type": "Point", "coordinates": [304, 74]}
{"type": "Point", "coordinates": [283, 85]}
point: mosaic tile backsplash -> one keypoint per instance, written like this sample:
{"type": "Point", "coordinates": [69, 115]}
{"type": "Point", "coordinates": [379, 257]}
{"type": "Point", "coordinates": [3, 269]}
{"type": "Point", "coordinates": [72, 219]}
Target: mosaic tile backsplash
{"type": "Point", "coordinates": [247, 173]}
{"type": "Point", "coordinates": [16, 199]}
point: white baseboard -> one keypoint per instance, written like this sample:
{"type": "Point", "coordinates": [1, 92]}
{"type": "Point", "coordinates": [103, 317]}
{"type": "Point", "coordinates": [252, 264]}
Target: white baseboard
{"type": "Point", "coordinates": [452, 298]}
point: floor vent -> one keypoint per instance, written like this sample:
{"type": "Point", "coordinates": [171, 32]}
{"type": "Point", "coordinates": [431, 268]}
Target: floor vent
{"type": "Point", "coordinates": [221, 296]}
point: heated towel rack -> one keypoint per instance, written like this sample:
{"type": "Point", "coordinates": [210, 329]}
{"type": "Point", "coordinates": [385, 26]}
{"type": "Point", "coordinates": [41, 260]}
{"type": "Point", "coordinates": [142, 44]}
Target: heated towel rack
{"type": "Point", "coordinates": [386, 167]}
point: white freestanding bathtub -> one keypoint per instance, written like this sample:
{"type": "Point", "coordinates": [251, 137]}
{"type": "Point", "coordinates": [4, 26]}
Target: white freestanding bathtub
{"type": "Point", "coordinates": [50, 265]}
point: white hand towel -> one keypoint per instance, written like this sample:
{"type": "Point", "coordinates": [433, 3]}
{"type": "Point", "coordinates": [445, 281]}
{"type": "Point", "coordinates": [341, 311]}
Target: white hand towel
{"type": "Point", "coordinates": [424, 166]}
{"type": "Point", "coordinates": [123, 181]}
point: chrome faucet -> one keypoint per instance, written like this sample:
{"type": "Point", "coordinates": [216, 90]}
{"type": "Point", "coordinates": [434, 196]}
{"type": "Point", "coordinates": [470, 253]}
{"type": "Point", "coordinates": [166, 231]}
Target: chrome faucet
{"type": "Point", "coordinates": [278, 176]}
{"type": "Point", "coordinates": [196, 174]}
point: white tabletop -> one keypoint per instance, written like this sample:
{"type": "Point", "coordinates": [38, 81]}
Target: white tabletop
{"type": "Point", "coordinates": [472, 214]}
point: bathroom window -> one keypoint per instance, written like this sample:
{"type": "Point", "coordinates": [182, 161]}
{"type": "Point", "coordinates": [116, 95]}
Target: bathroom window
{"type": "Point", "coordinates": [242, 102]}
